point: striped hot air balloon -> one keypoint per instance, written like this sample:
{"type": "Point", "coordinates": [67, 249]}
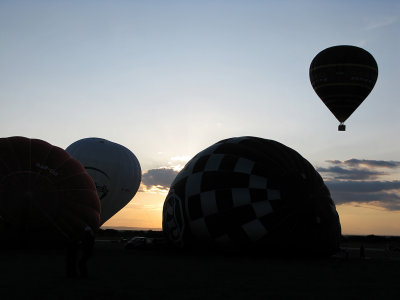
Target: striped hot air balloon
{"type": "Point", "coordinates": [343, 76]}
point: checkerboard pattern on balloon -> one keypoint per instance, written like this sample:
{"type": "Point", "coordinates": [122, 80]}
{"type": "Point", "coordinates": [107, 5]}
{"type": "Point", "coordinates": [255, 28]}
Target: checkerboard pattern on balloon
{"type": "Point", "coordinates": [232, 192]}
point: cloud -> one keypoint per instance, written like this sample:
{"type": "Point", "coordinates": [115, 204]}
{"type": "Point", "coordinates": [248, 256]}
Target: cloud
{"type": "Point", "coordinates": [389, 20]}
{"type": "Point", "coordinates": [363, 186]}
{"type": "Point", "coordinates": [178, 162]}
{"type": "Point", "coordinates": [356, 181]}
{"type": "Point", "coordinates": [354, 162]}
{"type": "Point", "coordinates": [372, 163]}
{"type": "Point", "coordinates": [357, 169]}
{"type": "Point", "coordinates": [335, 162]}
{"type": "Point", "coordinates": [352, 174]}
{"type": "Point", "coordinates": [385, 194]}
{"type": "Point", "coordinates": [158, 179]}
{"type": "Point", "coordinates": [359, 181]}
{"type": "Point", "coordinates": [388, 201]}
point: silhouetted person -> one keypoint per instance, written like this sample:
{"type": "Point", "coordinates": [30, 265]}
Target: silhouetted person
{"type": "Point", "coordinates": [72, 258]}
{"type": "Point", "coordinates": [346, 253]}
{"type": "Point", "coordinates": [86, 251]}
{"type": "Point", "coordinates": [362, 251]}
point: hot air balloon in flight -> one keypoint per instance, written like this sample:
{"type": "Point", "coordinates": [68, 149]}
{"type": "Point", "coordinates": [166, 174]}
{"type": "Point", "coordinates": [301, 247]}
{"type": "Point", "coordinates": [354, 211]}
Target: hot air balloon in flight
{"type": "Point", "coordinates": [249, 192]}
{"type": "Point", "coordinates": [44, 192]}
{"type": "Point", "coordinates": [343, 76]}
{"type": "Point", "coordinates": [114, 168]}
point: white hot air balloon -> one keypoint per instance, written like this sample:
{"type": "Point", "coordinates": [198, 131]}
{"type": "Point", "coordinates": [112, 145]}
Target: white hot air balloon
{"type": "Point", "coordinates": [114, 168]}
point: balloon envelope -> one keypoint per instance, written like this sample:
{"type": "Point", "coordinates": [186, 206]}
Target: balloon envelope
{"type": "Point", "coordinates": [343, 76]}
{"type": "Point", "coordinates": [251, 192]}
{"type": "Point", "coordinates": [43, 189]}
{"type": "Point", "coordinates": [114, 169]}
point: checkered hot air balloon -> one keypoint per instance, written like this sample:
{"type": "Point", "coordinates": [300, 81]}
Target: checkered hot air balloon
{"type": "Point", "coordinates": [251, 192]}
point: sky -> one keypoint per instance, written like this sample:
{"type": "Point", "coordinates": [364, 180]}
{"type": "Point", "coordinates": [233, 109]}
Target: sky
{"type": "Point", "coordinates": [167, 79]}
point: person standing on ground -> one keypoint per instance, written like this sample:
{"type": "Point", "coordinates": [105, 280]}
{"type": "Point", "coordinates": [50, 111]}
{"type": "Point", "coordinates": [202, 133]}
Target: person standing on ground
{"type": "Point", "coordinates": [86, 251]}
{"type": "Point", "coordinates": [362, 251]}
{"type": "Point", "coordinates": [72, 259]}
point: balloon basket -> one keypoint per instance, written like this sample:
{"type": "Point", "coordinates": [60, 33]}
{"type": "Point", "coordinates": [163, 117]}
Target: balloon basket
{"type": "Point", "coordinates": [342, 127]}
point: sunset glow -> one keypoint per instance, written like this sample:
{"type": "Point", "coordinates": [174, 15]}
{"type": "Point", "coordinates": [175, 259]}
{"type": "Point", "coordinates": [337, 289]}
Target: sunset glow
{"type": "Point", "coordinates": [144, 211]}
{"type": "Point", "coordinates": [167, 79]}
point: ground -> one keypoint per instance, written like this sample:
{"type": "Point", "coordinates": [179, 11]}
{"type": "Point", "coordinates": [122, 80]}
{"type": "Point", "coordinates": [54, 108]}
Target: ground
{"type": "Point", "coordinates": [118, 273]}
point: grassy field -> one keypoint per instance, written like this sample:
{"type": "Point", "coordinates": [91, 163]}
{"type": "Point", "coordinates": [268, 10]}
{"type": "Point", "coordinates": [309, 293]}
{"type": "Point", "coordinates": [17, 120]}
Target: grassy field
{"type": "Point", "coordinates": [117, 273]}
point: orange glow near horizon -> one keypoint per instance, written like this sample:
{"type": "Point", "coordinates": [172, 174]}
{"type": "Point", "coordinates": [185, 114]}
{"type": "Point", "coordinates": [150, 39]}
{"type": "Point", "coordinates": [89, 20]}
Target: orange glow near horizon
{"type": "Point", "coordinates": [366, 219]}
{"type": "Point", "coordinates": [145, 211]}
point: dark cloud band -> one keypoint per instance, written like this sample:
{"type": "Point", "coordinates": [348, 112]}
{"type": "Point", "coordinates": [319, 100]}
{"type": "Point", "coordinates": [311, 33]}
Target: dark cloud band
{"type": "Point", "coordinates": [363, 186]}
{"type": "Point", "coordinates": [360, 181]}
{"type": "Point", "coordinates": [366, 163]}
{"type": "Point", "coordinates": [379, 193]}
{"type": "Point", "coordinates": [161, 178]}
{"type": "Point", "coordinates": [351, 174]}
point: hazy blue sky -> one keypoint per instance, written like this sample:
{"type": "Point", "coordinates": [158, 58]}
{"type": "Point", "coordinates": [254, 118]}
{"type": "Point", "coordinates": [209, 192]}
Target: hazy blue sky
{"type": "Point", "coordinates": [169, 78]}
